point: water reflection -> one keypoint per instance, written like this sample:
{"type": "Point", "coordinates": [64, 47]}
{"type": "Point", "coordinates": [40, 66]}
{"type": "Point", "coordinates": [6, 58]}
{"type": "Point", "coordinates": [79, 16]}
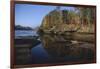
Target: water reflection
{"type": "Point", "coordinates": [58, 49]}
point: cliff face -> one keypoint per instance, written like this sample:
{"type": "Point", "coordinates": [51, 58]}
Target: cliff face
{"type": "Point", "coordinates": [61, 21]}
{"type": "Point", "coordinates": [51, 20]}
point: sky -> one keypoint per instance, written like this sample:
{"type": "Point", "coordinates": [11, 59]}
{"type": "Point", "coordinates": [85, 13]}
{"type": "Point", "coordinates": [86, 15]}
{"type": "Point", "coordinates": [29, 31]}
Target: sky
{"type": "Point", "coordinates": [32, 15]}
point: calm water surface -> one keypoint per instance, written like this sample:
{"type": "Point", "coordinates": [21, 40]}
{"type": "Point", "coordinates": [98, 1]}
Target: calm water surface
{"type": "Point", "coordinates": [54, 49]}
{"type": "Point", "coordinates": [24, 33]}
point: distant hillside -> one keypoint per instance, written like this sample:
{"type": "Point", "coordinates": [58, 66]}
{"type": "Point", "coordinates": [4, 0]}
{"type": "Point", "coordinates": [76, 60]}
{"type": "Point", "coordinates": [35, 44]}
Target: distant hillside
{"type": "Point", "coordinates": [19, 27]}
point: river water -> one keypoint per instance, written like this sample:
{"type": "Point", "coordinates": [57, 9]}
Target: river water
{"type": "Point", "coordinates": [26, 33]}
{"type": "Point", "coordinates": [54, 49]}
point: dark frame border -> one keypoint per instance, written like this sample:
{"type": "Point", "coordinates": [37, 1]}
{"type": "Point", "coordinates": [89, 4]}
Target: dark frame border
{"type": "Point", "coordinates": [12, 19]}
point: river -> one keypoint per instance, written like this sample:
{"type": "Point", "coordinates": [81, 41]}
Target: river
{"type": "Point", "coordinates": [25, 33]}
{"type": "Point", "coordinates": [53, 49]}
